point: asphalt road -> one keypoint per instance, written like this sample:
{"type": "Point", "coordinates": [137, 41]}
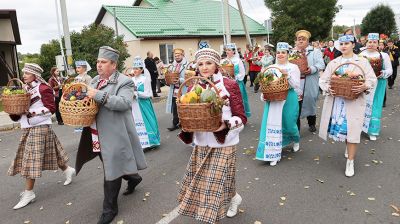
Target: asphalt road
{"type": "Point", "coordinates": [364, 198]}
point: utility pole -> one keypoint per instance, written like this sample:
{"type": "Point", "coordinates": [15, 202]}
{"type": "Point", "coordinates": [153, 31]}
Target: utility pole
{"type": "Point", "coordinates": [60, 37]}
{"type": "Point", "coordinates": [246, 31]}
{"type": "Point", "coordinates": [115, 22]}
{"type": "Point", "coordinates": [223, 21]}
{"type": "Point", "coordinates": [67, 39]}
{"type": "Point", "coordinates": [227, 22]}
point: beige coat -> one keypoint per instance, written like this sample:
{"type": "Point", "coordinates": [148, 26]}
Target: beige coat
{"type": "Point", "coordinates": [355, 109]}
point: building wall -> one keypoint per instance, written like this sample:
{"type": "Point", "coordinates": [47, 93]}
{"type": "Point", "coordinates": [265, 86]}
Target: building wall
{"type": "Point", "coordinates": [7, 51]}
{"type": "Point", "coordinates": [108, 20]}
{"type": "Point", "coordinates": [6, 33]}
{"type": "Point", "coordinates": [189, 45]}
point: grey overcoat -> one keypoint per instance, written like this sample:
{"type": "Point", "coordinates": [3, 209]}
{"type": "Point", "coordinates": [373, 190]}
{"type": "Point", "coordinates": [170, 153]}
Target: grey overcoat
{"type": "Point", "coordinates": [120, 147]}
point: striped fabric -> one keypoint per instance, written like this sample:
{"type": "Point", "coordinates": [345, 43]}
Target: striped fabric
{"type": "Point", "coordinates": [209, 183]}
{"type": "Point", "coordinates": [39, 149]}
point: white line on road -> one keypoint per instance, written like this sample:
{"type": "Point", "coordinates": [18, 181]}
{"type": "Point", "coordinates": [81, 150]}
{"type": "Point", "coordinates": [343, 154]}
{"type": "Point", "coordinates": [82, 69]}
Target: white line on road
{"type": "Point", "coordinates": [169, 217]}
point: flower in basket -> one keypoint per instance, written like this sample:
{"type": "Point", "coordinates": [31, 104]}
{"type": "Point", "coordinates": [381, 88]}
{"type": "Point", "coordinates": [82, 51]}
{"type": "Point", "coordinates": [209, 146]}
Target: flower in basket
{"type": "Point", "coordinates": [294, 54]}
{"type": "Point", "coordinates": [348, 74]}
{"type": "Point", "coordinates": [268, 76]}
{"type": "Point", "coordinates": [226, 62]}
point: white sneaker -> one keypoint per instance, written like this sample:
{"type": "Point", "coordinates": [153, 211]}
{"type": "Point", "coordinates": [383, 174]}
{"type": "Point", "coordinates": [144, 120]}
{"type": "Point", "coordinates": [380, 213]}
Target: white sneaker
{"type": "Point", "coordinates": [349, 168]}
{"type": "Point", "coordinates": [233, 208]}
{"type": "Point", "coordinates": [346, 153]}
{"type": "Point", "coordinates": [69, 172]}
{"type": "Point", "coordinates": [296, 147]}
{"type": "Point", "coordinates": [372, 137]}
{"type": "Point", "coordinates": [26, 198]}
{"type": "Point", "coordinates": [273, 163]}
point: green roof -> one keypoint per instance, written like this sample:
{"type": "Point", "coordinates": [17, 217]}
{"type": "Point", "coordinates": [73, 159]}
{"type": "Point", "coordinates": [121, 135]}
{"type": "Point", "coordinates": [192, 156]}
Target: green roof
{"type": "Point", "coordinates": [179, 18]}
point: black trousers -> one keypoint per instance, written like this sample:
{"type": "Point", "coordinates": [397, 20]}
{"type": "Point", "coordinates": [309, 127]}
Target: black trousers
{"type": "Point", "coordinates": [253, 76]}
{"type": "Point", "coordinates": [175, 118]}
{"type": "Point", "coordinates": [58, 114]}
{"type": "Point", "coordinates": [154, 84]}
{"type": "Point", "coordinates": [245, 79]}
{"type": "Point", "coordinates": [312, 119]}
{"type": "Point", "coordinates": [392, 77]}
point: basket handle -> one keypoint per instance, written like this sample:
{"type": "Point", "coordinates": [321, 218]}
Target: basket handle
{"type": "Point", "coordinates": [72, 85]}
{"type": "Point", "coordinates": [349, 63]}
{"type": "Point", "coordinates": [15, 79]}
{"type": "Point", "coordinates": [200, 78]}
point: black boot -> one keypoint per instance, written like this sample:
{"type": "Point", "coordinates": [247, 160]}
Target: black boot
{"type": "Point", "coordinates": [133, 181]}
{"type": "Point", "coordinates": [110, 203]}
{"type": "Point", "coordinates": [312, 128]}
{"type": "Point", "coordinates": [106, 218]}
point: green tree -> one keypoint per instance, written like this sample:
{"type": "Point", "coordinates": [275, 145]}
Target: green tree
{"type": "Point", "coordinates": [85, 46]}
{"type": "Point", "coordinates": [380, 19]}
{"type": "Point", "coordinates": [288, 16]}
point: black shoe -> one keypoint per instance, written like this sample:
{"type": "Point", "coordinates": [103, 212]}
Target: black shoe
{"type": "Point", "coordinates": [106, 218]}
{"type": "Point", "coordinates": [60, 123]}
{"type": "Point", "coordinates": [384, 105]}
{"type": "Point", "coordinates": [312, 128]}
{"type": "Point", "coordinates": [390, 87]}
{"type": "Point", "coordinates": [132, 183]}
{"type": "Point", "coordinates": [159, 91]}
{"type": "Point", "coordinates": [251, 85]}
{"type": "Point", "coordinates": [173, 128]}
{"type": "Point", "coordinates": [156, 95]}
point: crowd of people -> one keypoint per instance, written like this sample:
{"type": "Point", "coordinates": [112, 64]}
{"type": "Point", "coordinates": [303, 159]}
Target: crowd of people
{"type": "Point", "coordinates": [126, 122]}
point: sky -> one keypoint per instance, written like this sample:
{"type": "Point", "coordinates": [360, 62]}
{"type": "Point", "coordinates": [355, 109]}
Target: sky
{"type": "Point", "coordinates": [38, 22]}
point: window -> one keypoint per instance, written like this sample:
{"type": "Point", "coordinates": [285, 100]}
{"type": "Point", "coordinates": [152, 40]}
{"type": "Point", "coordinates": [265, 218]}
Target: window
{"type": "Point", "coordinates": [166, 53]}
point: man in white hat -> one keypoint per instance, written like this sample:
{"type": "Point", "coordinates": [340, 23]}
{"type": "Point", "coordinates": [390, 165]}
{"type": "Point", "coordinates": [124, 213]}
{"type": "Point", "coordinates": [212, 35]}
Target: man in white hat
{"type": "Point", "coordinates": [309, 79]}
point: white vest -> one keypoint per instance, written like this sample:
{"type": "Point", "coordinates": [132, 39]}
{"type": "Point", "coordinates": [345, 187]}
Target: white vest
{"type": "Point", "coordinates": [43, 115]}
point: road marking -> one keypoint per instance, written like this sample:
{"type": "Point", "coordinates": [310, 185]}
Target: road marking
{"type": "Point", "coordinates": [170, 216]}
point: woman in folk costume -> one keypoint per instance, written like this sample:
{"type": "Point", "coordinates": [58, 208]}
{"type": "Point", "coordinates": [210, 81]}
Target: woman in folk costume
{"type": "Point", "coordinates": [39, 148]}
{"type": "Point", "coordinates": [142, 108]}
{"type": "Point", "coordinates": [233, 56]}
{"type": "Point", "coordinates": [212, 165]}
{"type": "Point", "coordinates": [373, 112]}
{"type": "Point", "coordinates": [279, 126]}
{"type": "Point", "coordinates": [267, 59]}
{"type": "Point", "coordinates": [82, 68]}
{"type": "Point", "coordinates": [179, 65]}
{"type": "Point", "coordinates": [342, 119]}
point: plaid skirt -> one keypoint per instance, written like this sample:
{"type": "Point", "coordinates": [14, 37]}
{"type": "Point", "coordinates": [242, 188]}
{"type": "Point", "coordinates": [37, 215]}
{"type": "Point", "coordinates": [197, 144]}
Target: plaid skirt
{"type": "Point", "coordinates": [209, 183]}
{"type": "Point", "coordinates": [39, 149]}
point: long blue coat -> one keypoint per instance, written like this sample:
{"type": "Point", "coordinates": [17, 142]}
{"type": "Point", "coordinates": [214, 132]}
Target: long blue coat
{"type": "Point", "coordinates": [120, 146]}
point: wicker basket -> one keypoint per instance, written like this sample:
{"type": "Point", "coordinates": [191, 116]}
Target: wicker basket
{"type": "Point", "coordinates": [343, 86]}
{"type": "Point", "coordinates": [16, 103]}
{"type": "Point", "coordinates": [68, 81]}
{"type": "Point", "coordinates": [376, 63]}
{"type": "Point", "coordinates": [79, 113]}
{"type": "Point", "coordinates": [276, 90]}
{"type": "Point", "coordinates": [301, 63]}
{"type": "Point", "coordinates": [171, 76]}
{"type": "Point", "coordinates": [198, 117]}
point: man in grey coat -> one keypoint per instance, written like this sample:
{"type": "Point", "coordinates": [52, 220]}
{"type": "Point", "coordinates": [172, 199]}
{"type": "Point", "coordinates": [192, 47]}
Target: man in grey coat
{"type": "Point", "coordinates": [112, 136]}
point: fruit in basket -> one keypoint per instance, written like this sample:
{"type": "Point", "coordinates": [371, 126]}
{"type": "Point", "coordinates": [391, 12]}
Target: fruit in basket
{"type": "Point", "coordinates": [13, 91]}
{"type": "Point", "coordinates": [208, 96]}
{"type": "Point", "coordinates": [347, 74]}
{"type": "Point", "coordinates": [190, 97]}
{"type": "Point", "coordinates": [75, 95]}
{"type": "Point", "coordinates": [198, 90]}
